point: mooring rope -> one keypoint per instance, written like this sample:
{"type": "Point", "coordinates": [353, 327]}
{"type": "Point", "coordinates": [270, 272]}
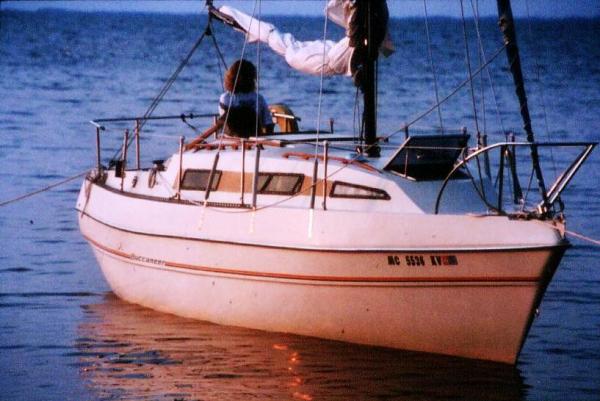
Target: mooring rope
{"type": "Point", "coordinates": [46, 188]}
{"type": "Point", "coordinates": [144, 119]}
{"type": "Point", "coordinates": [583, 237]}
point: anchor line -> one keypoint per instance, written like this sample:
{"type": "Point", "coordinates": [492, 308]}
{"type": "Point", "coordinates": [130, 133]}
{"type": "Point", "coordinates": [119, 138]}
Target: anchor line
{"type": "Point", "coordinates": [44, 189]}
{"type": "Point", "coordinates": [583, 237]}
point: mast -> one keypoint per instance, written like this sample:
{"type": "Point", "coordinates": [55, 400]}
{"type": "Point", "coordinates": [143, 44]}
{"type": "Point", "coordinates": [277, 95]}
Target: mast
{"type": "Point", "coordinates": [369, 89]}
{"type": "Point", "coordinates": [368, 27]}
{"type": "Point", "coordinates": [507, 26]}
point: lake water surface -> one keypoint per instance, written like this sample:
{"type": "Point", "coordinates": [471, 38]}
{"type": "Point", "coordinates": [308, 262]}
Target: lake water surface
{"type": "Point", "coordinates": [64, 336]}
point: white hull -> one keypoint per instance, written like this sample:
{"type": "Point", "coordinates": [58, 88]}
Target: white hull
{"type": "Point", "coordinates": [464, 301]}
{"type": "Point", "coordinates": [363, 236]}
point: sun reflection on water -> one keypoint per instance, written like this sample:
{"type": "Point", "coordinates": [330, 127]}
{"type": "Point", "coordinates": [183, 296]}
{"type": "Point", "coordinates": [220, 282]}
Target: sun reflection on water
{"type": "Point", "coordinates": [127, 352]}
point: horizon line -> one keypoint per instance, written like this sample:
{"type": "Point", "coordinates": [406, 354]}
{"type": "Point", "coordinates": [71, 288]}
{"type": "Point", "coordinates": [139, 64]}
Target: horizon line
{"type": "Point", "coordinates": [399, 9]}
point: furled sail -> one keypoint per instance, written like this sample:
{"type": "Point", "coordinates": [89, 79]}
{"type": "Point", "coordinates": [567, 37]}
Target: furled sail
{"type": "Point", "coordinates": [311, 57]}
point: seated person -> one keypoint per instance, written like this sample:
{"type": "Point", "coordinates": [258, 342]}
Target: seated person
{"type": "Point", "coordinates": [238, 106]}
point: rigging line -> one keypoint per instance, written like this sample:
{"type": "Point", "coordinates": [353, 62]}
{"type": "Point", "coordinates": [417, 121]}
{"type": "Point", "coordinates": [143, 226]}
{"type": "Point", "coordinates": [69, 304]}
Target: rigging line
{"type": "Point", "coordinates": [258, 69]}
{"type": "Point", "coordinates": [193, 127]}
{"type": "Point", "coordinates": [541, 87]}
{"type": "Point", "coordinates": [320, 101]}
{"type": "Point", "coordinates": [433, 70]}
{"type": "Point", "coordinates": [171, 80]}
{"type": "Point", "coordinates": [237, 75]}
{"type": "Point", "coordinates": [221, 64]}
{"type": "Point", "coordinates": [528, 189]}
{"type": "Point", "coordinates": [355, 117]}
{"type": "Point", "coordinates": [166, 87]}
{"type": "Point", "coordinates": [476, 16]}
{"type": "Point", "coordinates": [44, 189]}
{"type": "Point", "coordinates": [468, 59]}
{"type": "Point", "coordinates": [479, 173]}
{"type": "Point", "coordinates": [217, 48]}
{"type": "Point", "coordinates": [489, 75]}
{"type": "Point", "coordinates": [452, 93]}
{"type": "Point", "coordinates": [481, 141]}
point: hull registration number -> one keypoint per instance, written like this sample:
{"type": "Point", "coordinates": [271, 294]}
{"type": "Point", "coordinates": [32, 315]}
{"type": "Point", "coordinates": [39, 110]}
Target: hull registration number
{"type": "Point", "coordinates": [422, 260]}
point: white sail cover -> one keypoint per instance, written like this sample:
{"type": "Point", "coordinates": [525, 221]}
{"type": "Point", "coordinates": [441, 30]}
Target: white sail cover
{"type": "Point", "coordinates": [311, 57]}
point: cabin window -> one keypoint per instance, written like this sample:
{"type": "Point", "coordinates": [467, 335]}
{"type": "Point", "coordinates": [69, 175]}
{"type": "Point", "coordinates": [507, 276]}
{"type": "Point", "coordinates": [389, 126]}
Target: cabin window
{"type": "Point", "coordinates": [345, 190]}
{"type": "Point", "coordinates": [279, 183]}
{"type": "Point", "coordinates": [197, 180]}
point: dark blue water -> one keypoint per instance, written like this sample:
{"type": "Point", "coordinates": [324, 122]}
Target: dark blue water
{"type": "Point", "coordinates": [63, 336]}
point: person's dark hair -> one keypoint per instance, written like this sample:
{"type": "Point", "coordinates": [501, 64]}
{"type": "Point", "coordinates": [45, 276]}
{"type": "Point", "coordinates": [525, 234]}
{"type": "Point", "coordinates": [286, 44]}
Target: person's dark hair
{"type": "Point", "coordinates": [246, 81]}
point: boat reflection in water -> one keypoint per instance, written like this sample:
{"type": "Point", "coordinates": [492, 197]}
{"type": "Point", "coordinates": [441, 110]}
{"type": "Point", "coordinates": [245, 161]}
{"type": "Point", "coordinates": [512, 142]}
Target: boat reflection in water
{"type": "Point", "coordinates": [129, 352]}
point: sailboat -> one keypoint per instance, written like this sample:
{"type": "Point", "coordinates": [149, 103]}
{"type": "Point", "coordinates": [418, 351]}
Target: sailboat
{"type": "Point", "coordinates": [372, 239]}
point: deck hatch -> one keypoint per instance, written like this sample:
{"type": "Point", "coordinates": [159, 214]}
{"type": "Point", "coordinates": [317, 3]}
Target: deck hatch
{"type": "Point", "coordinates": [427, 157]}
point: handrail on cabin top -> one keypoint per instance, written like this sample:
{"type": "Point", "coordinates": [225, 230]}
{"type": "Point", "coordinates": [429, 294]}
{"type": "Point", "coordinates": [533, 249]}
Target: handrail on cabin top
{"type": "Point", "coordinates": [307, 156]}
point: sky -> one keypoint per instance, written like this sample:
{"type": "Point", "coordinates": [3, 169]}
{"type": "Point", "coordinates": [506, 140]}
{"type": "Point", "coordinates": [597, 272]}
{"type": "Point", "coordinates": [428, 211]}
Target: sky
{"type": "Point", "coordinates": [398, 8]}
